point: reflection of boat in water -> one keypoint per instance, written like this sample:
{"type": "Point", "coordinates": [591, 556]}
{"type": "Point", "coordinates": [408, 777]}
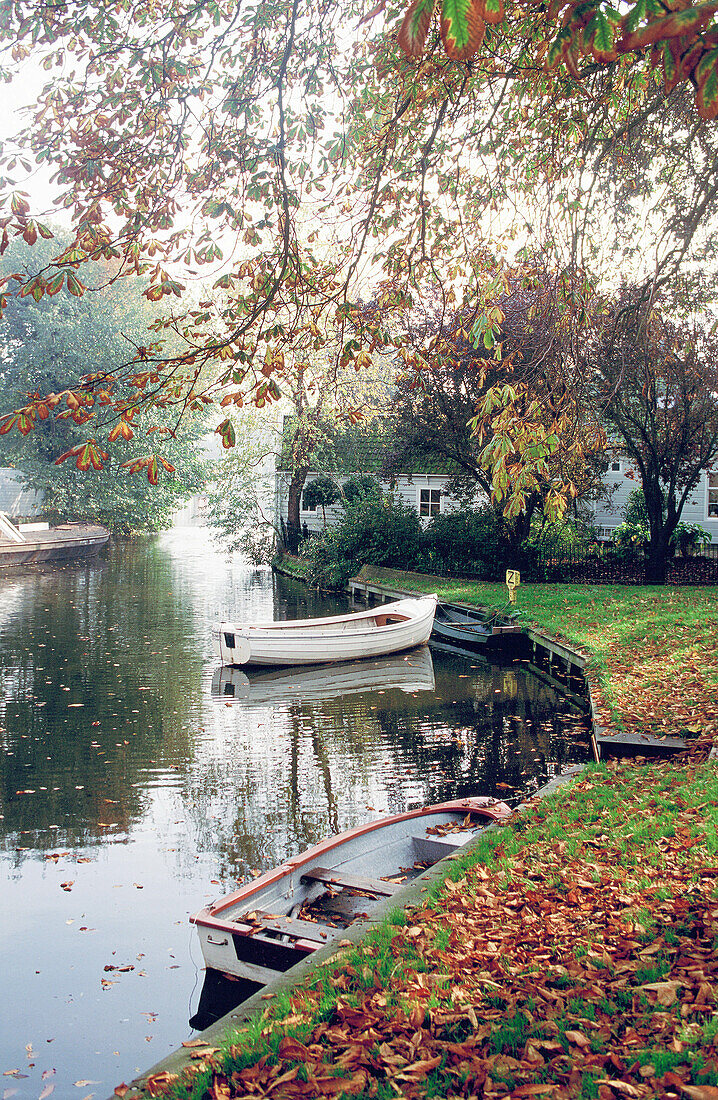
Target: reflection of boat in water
{"type": "Point", "coordinates": [409, 672]}
{"type": "Point", "coordinates": [269, 925]}
{"type": "Point", "coordinates": [218, 996]}
{"type": "Point", "coordinates": [356, 635]}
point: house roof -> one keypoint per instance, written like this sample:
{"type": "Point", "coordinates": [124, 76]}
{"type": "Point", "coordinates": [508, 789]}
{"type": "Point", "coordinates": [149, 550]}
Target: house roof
{"type": "Point", "coordinates": [362, 449]}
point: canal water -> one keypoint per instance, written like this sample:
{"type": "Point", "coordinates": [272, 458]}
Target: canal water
{"type": "Point", "coordinates": [138, 782]}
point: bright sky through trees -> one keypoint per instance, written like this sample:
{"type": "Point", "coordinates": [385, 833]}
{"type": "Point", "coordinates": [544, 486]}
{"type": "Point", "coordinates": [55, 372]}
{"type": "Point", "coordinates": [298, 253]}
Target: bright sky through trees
{"type": "Point", "coordinates": [308, 156]}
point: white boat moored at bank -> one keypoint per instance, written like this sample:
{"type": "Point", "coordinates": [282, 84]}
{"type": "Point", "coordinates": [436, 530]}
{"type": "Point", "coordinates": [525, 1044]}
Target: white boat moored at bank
{"type": "Point", "coordinates": [375, 632]}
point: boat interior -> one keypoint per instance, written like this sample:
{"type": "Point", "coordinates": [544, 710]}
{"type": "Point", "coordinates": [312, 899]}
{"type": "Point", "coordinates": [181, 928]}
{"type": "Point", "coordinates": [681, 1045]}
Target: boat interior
{"type": "Point", "coordinates": [351, 623]}
{"type": "Point", "coordinates": [327, 899]}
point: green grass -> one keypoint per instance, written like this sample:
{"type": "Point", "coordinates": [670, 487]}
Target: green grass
{"type": "Point", "coordinates": [291, 566]}
{"type": "Point", "coordinates": [388, 961]}
{"type": "Point", "coordinates": [583, 613]}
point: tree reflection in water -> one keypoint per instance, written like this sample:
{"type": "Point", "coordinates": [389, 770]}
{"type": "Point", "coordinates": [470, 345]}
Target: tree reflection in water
{"type": "Point", "coordinates": [136, 782]}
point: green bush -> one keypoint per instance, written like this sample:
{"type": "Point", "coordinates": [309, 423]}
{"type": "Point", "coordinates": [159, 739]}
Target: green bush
{"type": "Point", "coordinates": [360, 485]}
{"type": "Point", "coordinates": [631, 537]}
{"type": "Point", "coordinates": [374, 530]}
{"type": "Point", "coordinates": [553, 539]}
{"type": "Point", "coordinates": [687, 537]}
{"type": "Point", "coordinates": [467, 539]}
{"type": "Point", "coordinates": [322, 492]}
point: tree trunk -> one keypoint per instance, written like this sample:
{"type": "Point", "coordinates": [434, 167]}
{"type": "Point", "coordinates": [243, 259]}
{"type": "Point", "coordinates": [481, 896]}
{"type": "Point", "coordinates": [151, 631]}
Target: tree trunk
{"type": "Point", "coordinates": [294, 500]}
{"type": "Point", "coordinates": [656, 561]}
{"type": "Point", "coordinates": [657, 549]}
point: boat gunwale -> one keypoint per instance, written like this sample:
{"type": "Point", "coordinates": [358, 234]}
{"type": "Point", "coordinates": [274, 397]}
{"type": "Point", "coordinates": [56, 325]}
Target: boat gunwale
{"type": "Point", "coordinates": [312, 625]}
{"type": "Point", "coordinates": [208, 916]}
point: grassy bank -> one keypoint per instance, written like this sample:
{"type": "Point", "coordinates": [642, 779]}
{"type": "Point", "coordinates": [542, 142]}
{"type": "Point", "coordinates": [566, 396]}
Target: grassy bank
{"type": "Point", "coordinates": [653, 650]}
{"type": "Point", "coordinates": [573, 953]}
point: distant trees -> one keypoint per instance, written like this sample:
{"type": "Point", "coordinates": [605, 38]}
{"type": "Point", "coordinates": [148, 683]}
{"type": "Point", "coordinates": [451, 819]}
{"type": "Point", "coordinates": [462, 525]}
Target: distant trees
{"type": "Point", "coordinates": [240, 493]}
{"type": "Point", "coordinates": [62, 338]}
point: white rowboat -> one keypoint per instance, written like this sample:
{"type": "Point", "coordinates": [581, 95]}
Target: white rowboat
{"type": "Point", "coordinates": [371, 633]}
{"type": "Point", "coordinates": [267, 926]}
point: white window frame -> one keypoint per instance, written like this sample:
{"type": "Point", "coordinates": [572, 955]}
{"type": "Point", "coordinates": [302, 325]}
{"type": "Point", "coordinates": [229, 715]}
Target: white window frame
{"type": "Point", "coordinates": [712, 494]}
{"type": "Point", "coordinates": [432, 505]}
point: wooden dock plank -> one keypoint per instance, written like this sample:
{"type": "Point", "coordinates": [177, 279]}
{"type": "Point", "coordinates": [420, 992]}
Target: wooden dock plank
{"type": "Point", "coordinates": [638, 741]}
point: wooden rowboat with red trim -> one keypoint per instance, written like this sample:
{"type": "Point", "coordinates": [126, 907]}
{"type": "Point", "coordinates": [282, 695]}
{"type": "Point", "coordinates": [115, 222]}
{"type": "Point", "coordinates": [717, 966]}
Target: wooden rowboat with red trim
{"type": "Point", "coordinates": [267, 926]}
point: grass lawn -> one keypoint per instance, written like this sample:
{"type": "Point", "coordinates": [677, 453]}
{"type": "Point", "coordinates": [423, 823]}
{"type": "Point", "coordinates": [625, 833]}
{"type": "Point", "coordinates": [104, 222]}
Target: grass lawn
{"type": "Point", "coordinates": [653, 650]}
{"type": "Point", "coordinates": [573, 953]}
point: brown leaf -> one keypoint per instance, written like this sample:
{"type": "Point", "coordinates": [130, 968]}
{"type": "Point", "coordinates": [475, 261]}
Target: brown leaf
{"type": "Point", "coordinates": [532, 1090]}
{"type": "Point", "coordinates": [293, 1050]}
{"type": "Point", "coordinates": [578, 1038]}
{"type": "Point", "coordinates": [419, 1069]}
{"type": "Point", "coordinates": [157, 1083]}
{"type": "Point", "coordinates": [666, 992]}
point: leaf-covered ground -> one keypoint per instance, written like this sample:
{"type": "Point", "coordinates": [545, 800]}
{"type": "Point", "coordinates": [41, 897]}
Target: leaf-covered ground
{"type": "Point", "coordinates": [574, 953]}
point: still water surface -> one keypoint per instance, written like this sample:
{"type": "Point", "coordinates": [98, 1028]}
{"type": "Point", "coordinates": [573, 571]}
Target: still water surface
{"type": "Point", "coordinates": [137, 783]}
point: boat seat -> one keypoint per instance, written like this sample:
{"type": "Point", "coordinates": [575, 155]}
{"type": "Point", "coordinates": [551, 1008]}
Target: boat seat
{"type": "Point", "coordinates": [386, 618]}
{"type": "Point", "coordinates": [298, 929]}
{"type": "Point", "coordinates": [434, 848]}
{"type": "Point", "coordinates": [347, 880]}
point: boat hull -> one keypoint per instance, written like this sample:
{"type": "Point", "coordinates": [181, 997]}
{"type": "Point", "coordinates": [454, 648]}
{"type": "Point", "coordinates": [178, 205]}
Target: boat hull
{"type": "Point", "coordinates": [376, 632]}
{"type": "Point", "coordinates": [59, 544]}
{"type": "Point", "coordinates": [461, 628]}
{"type": "Point", "coordinates": [261, 930]}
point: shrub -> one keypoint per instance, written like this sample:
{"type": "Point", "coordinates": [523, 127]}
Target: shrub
{"type": "Point", "coordinates": [467, 539]}
{"type": "Point", "coordinates": [688, 536]}
{"type": "Point", "coordinates": [374, 530]}
{"type": "Point", "coordinates": [360, 485]}
{"type": "Point", "coordinates": [553, 539]}
{"type": "Point", "coordinates": [631, 537]}
{"type": "Point", "coordinates": [321, 493]}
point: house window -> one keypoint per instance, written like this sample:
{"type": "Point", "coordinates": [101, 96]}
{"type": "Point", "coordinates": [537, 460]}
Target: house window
{"type": "Point", "coordinates": [616, 465]}
{"type": "Point", "coordinates": [306, 508]}
{"type": "Point", "coordinates": [713, 496]}
{"type": "Point", "coordinates": [429, 502]}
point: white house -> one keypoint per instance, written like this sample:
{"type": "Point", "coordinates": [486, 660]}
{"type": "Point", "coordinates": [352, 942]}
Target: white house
{"type": "Point", "coordinates": [424, 492]}
{"type": "Point", "coordinates": [621, 479]}
{"type": "Point", "coordinates": [427, 493]}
